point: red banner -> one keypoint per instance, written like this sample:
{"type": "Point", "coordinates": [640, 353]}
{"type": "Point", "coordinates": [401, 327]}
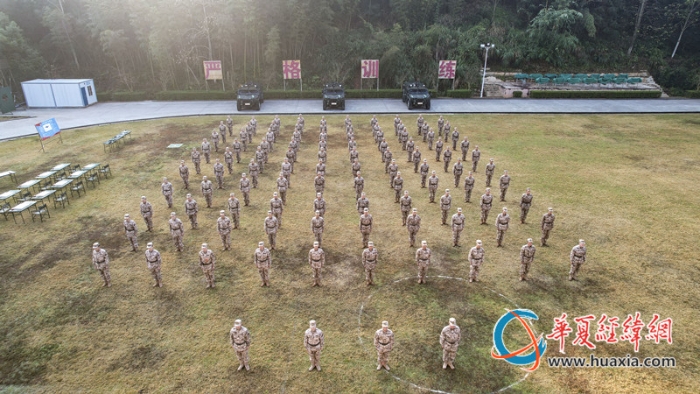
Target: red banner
{"type": "Point", "coordinates": [212, 69]}
{"type": "Point", "coordinates": [370, 68]}
{"type": "Point", "coordinates": [291, 69]}
{"type": "Point", "coordinates": [447, 69]}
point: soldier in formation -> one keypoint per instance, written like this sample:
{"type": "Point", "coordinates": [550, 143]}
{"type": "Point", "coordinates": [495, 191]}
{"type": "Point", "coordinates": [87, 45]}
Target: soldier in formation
{"type": "Point", "coordinates": [234, 209]}
{"type": "Point", "coordinates": [206, 150]}
{"type": "Point", "coordinates": [237, 147]}
{"type": "Point", "coordinates": [416, 160]}
{"type": "Point", "coordinates": [207, 262]}
{"type": "Point", "coordinates": [490, 168]}
{"type": "Point", "coordinates": [384, 343]}
{"type": "Point", "coordinates": [577, 258]}
{"type": "Point", "coordinates": [476, 155]}
{"type": "Point", "coordinates": [244, 139]}
{"type": "Point", "coordinates": [445, 205]}
{"type": "Point", "coordinates": [240, 341]}
{"type": "Point", "coordinates": [287, 169]}
{"type": "Point", "coordinates": [365, 226]}
{"type": "Point", "coordinates": [244, 185]}
{"type": "Point", "coordinates": [282, 185]}
{"type": "Point", "coordinates": [147, 213]}
{"type": "Point", "coordinates": [359, 185]}
{"type": "Point", "coordinates": [131, 231]}
{"type": "Point", "coordinates": [413, 226]}
{"type": "Point", "coordinates": [215, 140]}
{"type": "Point", "coordinates": [313, 342]}
{"type": "Point", "coordinates": [271, 226]}
{"type": "Point", "coordinates": [184, 174]}
{"type": "Point", "coordinates": [457, 171]}
{"type": "Point", "coordinates": [321, 168]}
{"type": "Point", "coordinates": [458, 221]}
{"type": "Point", "coordinates": [167, 189]}
{"type": "Point", "coordinates": [423, 260]}
{"type": "Point", "coordinates": [468, 187]}
{"type": "Point", "coordinates": [504, 183]}
{"type": "Point", "coordinates": [455, 138]}
{"type": "Point", "coordinates": [369, 261]}
{"type": "Point", "coordinates": [476, 259]}
{"type": "Point", "coordinates": [317, 259]}
{"type": "Point", "coordinates": [319, 182]}
{"type": "Point", "coordinates": [277, 207]}
{"type": "Point", "coordinates": [228, 159]}
{"type": "Point", "coordinates": [263, 261]}
{"type": "Point", "coordinates": [406, 205]}
{"type": "Point", "coordinates": [223, 225]}
{"type": "Point", "coordinates": [446, 158]}
{"type": "Point", "coordinates": [219, 173]}
{"type": "Point", "coordinates": [191, 210]}
{"type": "Point", "coordinates": [317, 227]}
{"type": "Point", "coordinates": [438, 148]}
{"type": "Point", "coordinates": [177, 231]}
{"type": "Point", "coordinates": [229, 125]}
{"type": "Point", "coordinates": [440, 124]}
{"type": "Point", "coordinates": [362, 203]}
{"type": "Point", "coordinates": [433, 182]}
{"type": "Point", "coordinates": [100, 260]}
{"type": "Point", "coordinates": [547, 225]}
{"type": "Point", "coordinates": [450, 337]}
{"type": "Point", "coordinates": [502, 223]}
{"type": "Point", "coordinates": [196, 160]}
{"type": "Point", "coordinates": [486, 201]}
{"type": "Point", "coordinates": [424, 170]}
{"type": "Point", "coordinates": [207, 190]}
{"type": "Point", "coordinates": [397, 185]}
{"type": "Point", "coordinates": [320, 204]}
{"type": "Point", "coordinates": [393, 170]}
{"type": "Point", "coordinates": [430, 137]}
{"type": "Point", "coordinates": [410, 146]}
{"type": "Point", "coordinates": [464, 146]}
{"type": "Point", "coordinates": [525, 204]}
{"type": "Point", "coordinates": [153, 263]}
{"type": "Point", "coordinates": [527, 256]}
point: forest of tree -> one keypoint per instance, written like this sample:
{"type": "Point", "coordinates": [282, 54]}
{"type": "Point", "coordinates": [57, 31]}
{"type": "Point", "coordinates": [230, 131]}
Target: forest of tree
{"type": "Point", "coordinates": [155, 45]}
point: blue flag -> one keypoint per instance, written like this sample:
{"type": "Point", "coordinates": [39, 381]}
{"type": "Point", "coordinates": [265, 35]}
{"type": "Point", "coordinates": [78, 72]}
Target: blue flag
{"type": "Point", "coordinates": [47, 128]}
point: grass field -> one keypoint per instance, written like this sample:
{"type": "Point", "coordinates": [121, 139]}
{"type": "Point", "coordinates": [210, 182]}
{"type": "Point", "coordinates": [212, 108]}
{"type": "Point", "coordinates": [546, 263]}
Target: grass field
{"type": "Point", "coordinates": [628, 184]}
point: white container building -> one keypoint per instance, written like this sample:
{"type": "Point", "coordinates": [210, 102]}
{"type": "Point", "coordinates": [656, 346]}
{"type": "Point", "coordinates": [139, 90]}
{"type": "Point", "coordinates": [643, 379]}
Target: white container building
{"type": "Point", "coordinates": [47, 93]}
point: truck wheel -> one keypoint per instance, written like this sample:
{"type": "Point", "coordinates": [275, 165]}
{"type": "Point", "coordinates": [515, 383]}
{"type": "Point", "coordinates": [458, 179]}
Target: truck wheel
{"type": "Point", "coordinates": [325, 107]}
{"type": "Point", "coordinates": [427, 104]}
{"type": "Point", "coordinates": [410, 104]}
{"type": "Point", "coordinates": [238, 106]}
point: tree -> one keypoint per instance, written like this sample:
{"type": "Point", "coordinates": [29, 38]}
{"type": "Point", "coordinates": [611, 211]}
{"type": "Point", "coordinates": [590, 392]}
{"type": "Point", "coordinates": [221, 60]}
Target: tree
{"type": "Point", "coordinates": [21, 61]}
{"type": "Point", "coordinates": [692, 15]}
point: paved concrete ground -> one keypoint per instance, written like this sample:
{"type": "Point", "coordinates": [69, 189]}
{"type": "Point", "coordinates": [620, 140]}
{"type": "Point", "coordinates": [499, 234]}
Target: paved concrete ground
{"type": "Point", "coordinates": [103, 113]}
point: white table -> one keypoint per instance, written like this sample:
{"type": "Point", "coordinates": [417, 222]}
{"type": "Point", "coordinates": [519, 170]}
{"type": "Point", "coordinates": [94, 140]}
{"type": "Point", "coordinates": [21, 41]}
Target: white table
{"type": "Point", "coordinates": [46, 174]}
{"type": "Point", "coordinates": [29, 184]}
{"type": "Point", "coordinates": [11, 174]}
{"type": "Point", "coordinates": [45, 194]}
{"type": "Point", "coordinates": [61, 166]}
{"type": "Point", "coordinates": [9, 194]}
{"type": "Point", "coordinates": [78, 174]}
{"type": "Point", "coordinates": [60, 185]}
{"type": "Point", "coordinates": [21, 208]}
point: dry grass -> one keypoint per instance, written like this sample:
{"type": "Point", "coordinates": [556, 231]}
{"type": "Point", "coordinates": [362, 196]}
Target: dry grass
{"type": "Point", "coordinates": [626, 184]}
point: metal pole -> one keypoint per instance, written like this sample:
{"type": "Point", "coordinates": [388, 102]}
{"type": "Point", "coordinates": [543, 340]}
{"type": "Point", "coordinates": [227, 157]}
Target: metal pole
{"type": "Point", "coordinates": [483, 78]}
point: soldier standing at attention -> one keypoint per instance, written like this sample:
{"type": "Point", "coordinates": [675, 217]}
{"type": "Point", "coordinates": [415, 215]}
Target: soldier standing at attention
{"type": "Point", "coordinates": [219, 173]}
{"type": "Point", "coordinates": [254, 170]}
{"type": "Point", "coordinates": [419, 123]}
{"type": "Point", "coordinates": [317, 259]}
{"type": "Point", "coordinates": [416, 159]}
{"type": "Point", "coordinates": [222, 131]}
{"type": "Point", "coordinates": [431, 138]}
{"type": "Point", "coordinates": [397, 184]}
{"type": "Point", "coordinates": [423, 260]}
{"type": "Point", "coordinates": [426, 127]}
{"type": "Point", "coordinates": [384, 343]}
{"type": "Point", "coordinates": [405, 203]}
{"type": "Point", "coordinates": [196, 160]}
{"type": "Point", "coordinates": [365, 226]}
{"type": "Point", "coordinates": [234, 209]}
{"type": "Point", "coordinates": [317, 227]}
{"type": "Point", "coordinates": [504, 183]}
{"type": "Point", "coordinates": [449, 340]}
{"type": "Point", "coordinates": [292, 157]}
{"type": "Point", "coordinates": [362, 203]}
{"type": "Point", "coordinates": [525, 203]}
{"type": "Point", "coordinates": [263, 261]}
{"type": "Point", "coordinates": [244, 185]}
{"type": "Point", "coordinates": [447, 157]}
{"type": "Point", "coordinates": [184, 174]}
{"type": "Point", "coordinates": [207, 262]}
{"type": "Point", "coordinates": [259, 160]}
{"type": "Point", "coordinates": [476, 155]}
{"type": "Point", "coordinates": [167, 190]}
{"type": "Point", "coordinates": [177, 231]}
{"type": "Point", "coordinates": [457, 171]}
{"type": "Point", "coordinates": [455, 138]}
{"type": "Point", "coordinates": [277, 207]}
{"type": "Point", "coordinates": [438, 148]}
{"type": "Point", "coordinates": [413, 226]}
{"type": "Point", "coordinates": [433, 182]}
{"type": "Point", "coordinates": [223, 225]}
{"type": "Point", "coordinates": [486, 201]}
{"type": "Point", "coordinates": [502, 223]}
{"type": "Point", "coordinates": [215, 140]}
{"type": "Point", "coordinates": [397, 122]}
{"type": "Point", "coordinates": [440, 124]}
{"type": "Point", "coordinates": [577, 257]}
{"type": "Point", "coordinates": [527, 256]}
{"type": "Point", "coordinates": [458, 221]}
{"type": "Point", "coordinates": [153, 263]}
{"type": "Point", "coordinates": [465, 148]}
{"type": "Point", "coordinates": [147, 213]}
{"type": "Point", "coordinates": [393, 170]}
{"type": "Point", "coordinates": [271, 229]}
{"type": "Point", "coordinates": [131, 230]}
{"type": "Point", "coordinates": [445, 205]}
{"type": "Point", "coordinates": [191, 210]}
{"type": "Point", "coordinates": [229, 124]}
{"type": "Point", "coordinates": [468, 187]}
{"type": "Point", "coordinates": [476, 258]}
{"type": "Point", "coordinates": [359, 185]}
{"type": "Point", "coordinates": [100, 260]}
{"type": "Point", "coordinates": [206, 149]}
{"type": "Point", "coordinates": [207, 190]}
{"type": "Point", "coordinates": [319, 183]}
{"type": "Point", "coordinates": [237, 147]}
{"type": "Point", "coordinates": [228, 159]}
{"type": "Point", "coordinates": [489, 172]}
{"type": "Point", "coordinates": [547, 225]}
{"type": "Point", "coordinates": [410, 146]}
{"type": "Point", "coordinates": [446, 130]}
{"type": "Point", "coordinates": [424, 170]}
{"type": "Point", "coordinates": [320, 204]}
{"type": "Point", "coordinates": [240, 341]}
{"type": "Point", "coordinates": [313, 342]}
{"type": "Point", "coordinates": [321, 167]}
{"type": "Point", "coordinates": [287, 171]}
{"type": "Point", "coordinates": [369, 261]}
{"type": "Point", "coordinates": [282, 186]}
{"type": "Point", "coordinates": [244, 139]}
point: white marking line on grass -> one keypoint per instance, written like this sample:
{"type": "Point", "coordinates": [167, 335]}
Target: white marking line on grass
{"type": "Point", "coordinates": [359, 335]}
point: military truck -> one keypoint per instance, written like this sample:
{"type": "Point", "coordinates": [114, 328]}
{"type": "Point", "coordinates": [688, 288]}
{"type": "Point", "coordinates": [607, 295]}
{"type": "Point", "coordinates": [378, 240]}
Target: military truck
{"type": "Point", "coordinates": [250, 96]}
{"type": "Point", "coordinates": [333, 96]}
{"type": "Point", "coordinates": [415, 94]}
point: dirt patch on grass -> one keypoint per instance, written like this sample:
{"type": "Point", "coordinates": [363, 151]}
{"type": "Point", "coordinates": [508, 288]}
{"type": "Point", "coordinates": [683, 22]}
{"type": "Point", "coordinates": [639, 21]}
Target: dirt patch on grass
{"type": "Point", "coordinates": [140, 358]}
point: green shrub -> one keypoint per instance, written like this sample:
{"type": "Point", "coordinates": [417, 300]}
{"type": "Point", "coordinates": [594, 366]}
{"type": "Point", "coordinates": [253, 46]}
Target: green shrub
{"type": "Point", "coordinates": [459, 93]}
{"type": "Point", "coordinates": [595, 93]}
{"type": "Point", "coordinates": [373, 93]}
{"type": "Point", "coordinates": [128, 96]}
{"type": "Point", "coordinates": [692, 93]}
{"type": "Point", "coordinates": [291, 94]}
{"type": "Point", "coordinates": [518, 94]}
{"type": "Point", "coordinates": [171, 95]}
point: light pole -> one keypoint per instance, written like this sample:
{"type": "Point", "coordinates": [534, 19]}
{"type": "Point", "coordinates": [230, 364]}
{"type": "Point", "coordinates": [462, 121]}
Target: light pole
{"type": "Point", "coordinates": [486, 46]}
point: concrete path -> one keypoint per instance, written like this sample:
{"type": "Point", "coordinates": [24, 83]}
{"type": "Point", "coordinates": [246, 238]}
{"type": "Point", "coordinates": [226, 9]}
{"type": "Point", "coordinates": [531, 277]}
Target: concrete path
{"type": "Point", "coordinates": [104, 113]}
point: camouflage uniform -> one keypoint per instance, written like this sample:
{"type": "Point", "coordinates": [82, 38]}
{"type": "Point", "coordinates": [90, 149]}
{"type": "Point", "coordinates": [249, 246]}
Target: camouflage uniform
{"type": "Point", "coordinates": [527, 256]}
{"type": "Point", "coordinates": [229, 125]}
{"type": "Point", "coordinates": [397, 122]}
{"type": "Point", "coordinates": [319, 183]}
{"type": "Point", "coordinates": [223, 225]}
{"type": "Point", "coordinates": [260, 161]}
{"type": "Point", "coordinates": [207, 191]}
{"type": "Point", "coordinates": [447, 157]}
{"type": "Point", "coordinates": [359, 185]}
{"type": "Point", "coordinates": [465, 148]}
{"type": "Point", "coordinates": [423, 261]}
{"type": "Point", "coordinates": [228, 159]}
{"type": "Point", "coordinates": [404, 139]}
{"type": "Point", "coordinates": [457, 171]}
{"type": "Point", "coordinates": [244, 185]}
{"type": "Point", "coordinates": [317, 228]}
{"type": "Point", "coordinates": [282, 185]}
{"type": "Point", "coordinates": [153, 262]}
{"type": "Point", "coordinates": [100, 260]}
{"type": "Point", "coordinates": [397, 185]}
{"type": "Point", "coordinates": [458, 221]}
{"type": "Point", "coordinates": [413, 226]}
{"type": "Point", "coordinates": [321, 168]}
{"type": "Point", "coordinates": [577, 258]}
{"type": "Point", "coordinates": [271, 230]}
{"type": "Point", "coordinates": [416, 160]}
{"type": "Point", "coordinates": [219, 173]}
{"type": "Point", "coordinates": [131, 231]}
{"type": "Point", "coordinates": [320, 205]}
{"type": "Point", "coordinates": [362, 203]}
{"type": "Point", "coordinates": [440, 124]}
{"type": "Point", "coordinates": [185, 175]}
{"type": "Point", "coordinates": [237, 147]}
{"type": "Point", "coordinates": [244, 139]}
{"type": "Point", "coordinates": [433, 182]}
{"type": "Point", "coordinates": [147, 213]}
{"type": "Point", "coordinates": [313, 342]}
{"type": "Point", "coordinates": [384, 343]}
{"type": "Point", "coordinates": [419, 123]}
{"type": "Point", "coordinates": [234, 209]}
{"type": "Point", "coordinates": [240, 341]}
{"type": "Point", "coordinates": [450, 337]}
{"type": "Point", "coordinates": [438, 149]}
{"type": "Point", "coordinates": [277, 207]}
{"type": "Point", "coordinates": [476, 155]}
{"type": "Point", "coordinates": [431, 139]}
{"type": "Point", "coordinates": [504, 183]}
{"type": "Point", "coordinates": [196, 159]}
{"type": "Point", "coordinates": [177, 232]}
{"type": "Point", "coordinates": [215, 140]}
{"type": "Point", "coordinates": [468, 187]}
{"type": "Point", "coordinates": [292, 157]}
{"type": "Point", "coordinates": [490, 168]}
{"type": "Point", "coordinates": [207, 262]}
{"type": "Point", "coordinates": [455, 139]}
{"type": "Point", "coordinates": [263, 261]}
{"type": "Point", "coordinates": [393, 170]}
{"type": "Point", "coordinates": [387, 160]}
{"type": "Point", "coordinates": [317, 259]}
{"type": "Point", "coordinates": [206, 149]}
{"type": "Point", "coordinates": [502, 223]}
{"type": "Point", "coordinates": [322, 155]}
{"type": "Point", "coordinates": [167, 190]}
{"type": "Point", "coordinates": [406, 206]}
{"type": "Point", "coordinates": [355, 167]}
{"type": "Point", "coordinates": [191, 210]}
{"type": "Point", "coordinates": [365, 227]}
{"type": "Point", "coordinates": [426, 127]}
{"type": "Point", "coordinates": [424, 170]}
{"type": "Point", "coordinates": [254, 171]}
{"type": "Point", "coordinates": [547, 226]}
{"type": "Point", "coordinates": [446, 130]}
{"type": "Point", "coordinates": [445, 205]}
{"type": "Point", "coordinates": [486, 201]}
{"type": "Point", "coordinates": [369, 261]}
{"type": "Point", "coordinates": [476, 259]}
{"type": "Point", "coordinates": [525, 203]}
{"type": "Point", "coordinates": [222, 132]}
{"type": "Point", "coordinates": [410, 146]}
